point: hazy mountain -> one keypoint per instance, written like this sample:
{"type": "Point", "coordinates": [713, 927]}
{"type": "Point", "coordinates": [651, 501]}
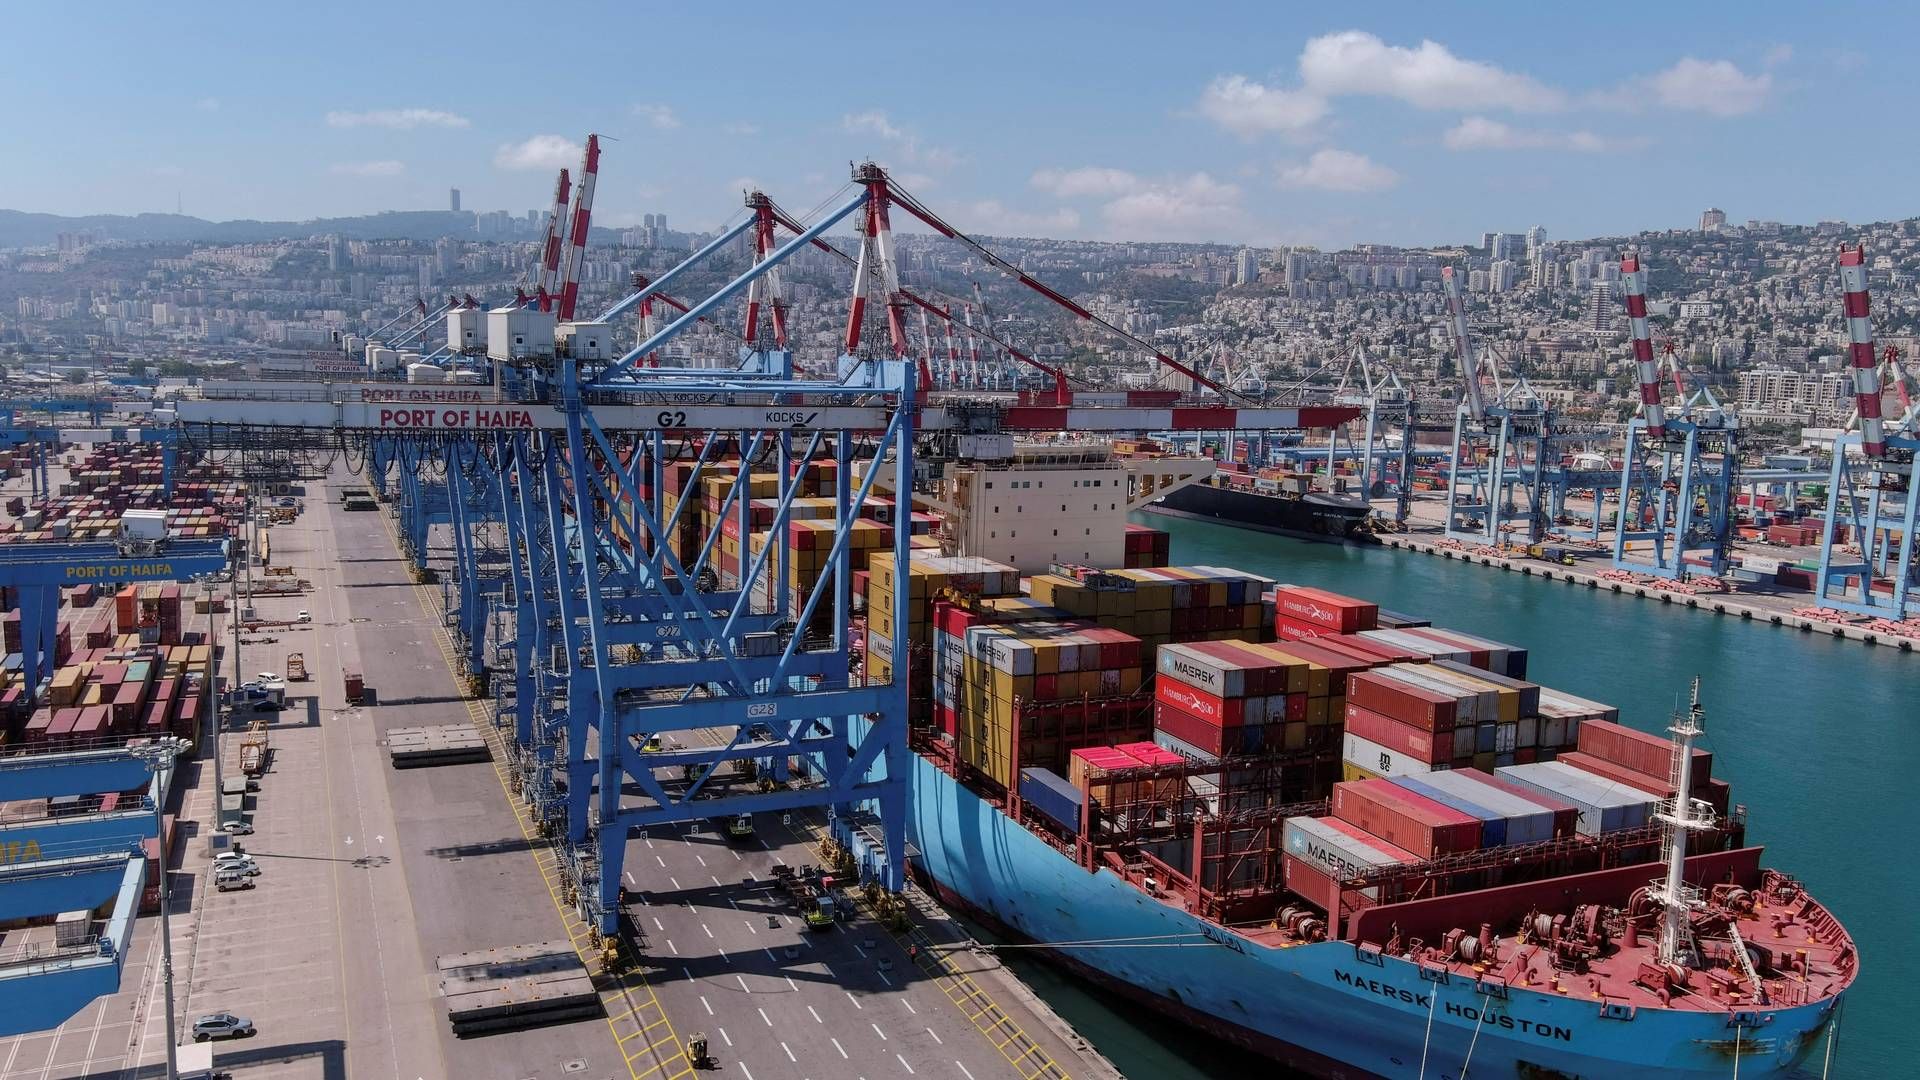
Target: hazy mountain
{"type": "Point", "coordinates": [21, 229]}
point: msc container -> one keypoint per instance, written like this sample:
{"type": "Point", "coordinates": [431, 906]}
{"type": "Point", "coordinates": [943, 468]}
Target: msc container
{"type": "Point", "coordinates": [1603, 806]}
{"type": "Point", "coordinates": [1405, 818]}
{"type": "Point", "coordinates": [1049, 793]}
{"type": "Point", "coordinates": [1380, 760]}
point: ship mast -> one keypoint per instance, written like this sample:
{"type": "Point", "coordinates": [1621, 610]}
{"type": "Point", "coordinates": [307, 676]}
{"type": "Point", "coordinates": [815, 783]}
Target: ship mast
{"type": "Point", "coordinates": [1682, 818]}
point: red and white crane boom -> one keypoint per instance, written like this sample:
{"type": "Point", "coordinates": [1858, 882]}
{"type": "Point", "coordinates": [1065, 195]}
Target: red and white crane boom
{"type": "Point", "coordinates": [579, 222]}
{"type": "Point", "coordinates": [1633, 279]}
{"type": "Point", "coordinates": [549, 277]}
{"type": "Point", "coordinates": [1863, 357]}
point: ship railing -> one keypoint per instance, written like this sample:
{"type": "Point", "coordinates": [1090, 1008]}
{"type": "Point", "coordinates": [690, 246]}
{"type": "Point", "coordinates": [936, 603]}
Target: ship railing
{"type": "Point", "coordinates": [1507, 856]}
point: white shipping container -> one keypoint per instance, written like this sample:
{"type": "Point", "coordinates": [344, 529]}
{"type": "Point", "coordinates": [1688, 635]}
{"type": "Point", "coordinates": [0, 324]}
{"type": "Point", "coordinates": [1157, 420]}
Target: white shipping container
{"type": "Point", "coordinates": [1527, 822]}
{"type": "Point", "coordinates": [72, 928]}
{"type": "Point", "coordinates": [1379, 760]}
{"type": "Point", "coordinates": [1604, 806]}
{"type": "Point", "coordinates": [1504, 736]}
{"type": "Point", "coordinates": [1332, 852]}
{"type": "Point", "coordinates": [1527, 733]}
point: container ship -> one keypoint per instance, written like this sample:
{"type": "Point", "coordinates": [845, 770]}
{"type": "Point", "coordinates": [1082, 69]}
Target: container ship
{"type": "Point", "coordinates": [1270, 500]}
{"type": "Point", "coordinates": [1351, 841]}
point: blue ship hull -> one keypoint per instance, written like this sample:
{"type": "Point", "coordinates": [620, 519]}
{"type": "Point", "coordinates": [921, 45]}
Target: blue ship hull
{"type": "Point", "coordinates": [1327, 1008]}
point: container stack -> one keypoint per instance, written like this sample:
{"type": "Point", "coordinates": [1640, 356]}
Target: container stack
{"type": "Point", "coordinates": [927, 577]}
{"type": "Point", "coordinates": [1146, 547]}
{"type": "Point", "coordinates": [1041, 690]}
{"type": "Point", "coordinates": [1620, 754]}
{"type": "Point", "coordinates": [1229, 698]}
{"type": "Point", "coordinates": [1159, 604]}
{"type": "Point", "coordinates": [1408, 719]}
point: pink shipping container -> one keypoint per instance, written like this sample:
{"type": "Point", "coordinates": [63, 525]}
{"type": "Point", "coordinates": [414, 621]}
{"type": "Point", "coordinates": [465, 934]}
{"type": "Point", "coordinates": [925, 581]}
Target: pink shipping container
{"type": "Point", "coordinates": [1404, 818]}
{"type": "Point", "coordinates": [1400, 737]}
{"type": "Point", "coordinates": [1093, 762]}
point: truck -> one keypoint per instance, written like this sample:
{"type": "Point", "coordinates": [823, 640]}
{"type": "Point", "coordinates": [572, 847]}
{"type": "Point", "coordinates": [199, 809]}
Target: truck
{"type": "Point", "coordinates": [814, 894]}
{"type": "Point", "coordinates": [253, 757]}
{"type": "Point", "coordinates": [354, 685]}
{"type": "Point", "coordinates": [296, 667]}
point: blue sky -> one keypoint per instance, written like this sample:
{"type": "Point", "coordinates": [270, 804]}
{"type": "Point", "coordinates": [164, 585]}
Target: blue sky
{"type": "Point", "coordinates": [1243, 123]}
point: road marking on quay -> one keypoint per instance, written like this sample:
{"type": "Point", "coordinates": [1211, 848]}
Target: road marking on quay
{"type": "Point", "coordinates": [628, 995]}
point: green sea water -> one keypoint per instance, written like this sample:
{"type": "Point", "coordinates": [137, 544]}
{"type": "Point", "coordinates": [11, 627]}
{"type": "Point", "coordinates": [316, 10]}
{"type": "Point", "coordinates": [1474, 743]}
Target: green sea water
{"type": "Point", "coordinates": [1819, 737]}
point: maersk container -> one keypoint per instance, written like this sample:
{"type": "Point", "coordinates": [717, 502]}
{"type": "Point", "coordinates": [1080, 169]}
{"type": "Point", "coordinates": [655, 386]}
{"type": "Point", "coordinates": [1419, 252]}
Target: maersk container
{"type": "Point", "coordinates": [1050, 794]}
{"type": "Point", "coordinates": [1603, 806]}
{"type": "Point", "coordinates": [1335, 852]}
{"type": "Point", "coordinates": [1527, 821]}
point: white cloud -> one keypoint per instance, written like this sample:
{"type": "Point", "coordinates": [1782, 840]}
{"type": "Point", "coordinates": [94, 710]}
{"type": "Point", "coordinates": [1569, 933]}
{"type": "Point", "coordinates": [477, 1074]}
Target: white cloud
{"type": "Point", "coordinates": [1481, 133]}
{"type": "Point", "coordinates": [1710, 86]}
{"type": "Point", "coordinates": [1338, 170]}
{"type": "Point", "coordinates": [741, 129]}
{"type": "Point", "coordinates": [1093, 180]}
{"type": "Point", "coordinates": [872, 122]}
{"type": "Point", "coordinates": [992, 217]}
{"type": "Point", "coordinates": [404, 119]}
{"type": "Point", "coordinates": [911, 150]}
{"type": "Point", "coordinates": [1248, 108]}
{"type": "Point", "coordinates": [539, 152]}
{"type": "Point", "coordinates": [367, 168]}
{"type": "Point", "coordinates": [1188, 207]}
{"type": "Point", "coordinates": [1428, 75]}
{"type": "Point", "coordinates": [660, 116]}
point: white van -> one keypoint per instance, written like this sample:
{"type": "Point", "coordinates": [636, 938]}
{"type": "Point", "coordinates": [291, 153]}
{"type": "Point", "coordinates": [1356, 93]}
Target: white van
{"type": "Point", "coordinates": [232, 880]}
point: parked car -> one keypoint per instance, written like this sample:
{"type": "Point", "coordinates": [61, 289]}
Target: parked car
{"type": "Point", "coordinates": [303, 617]}
{"type": "Point", "coordinates": [270, 680]}
{"type": "Point", "coordinates": [243, 864]}
{"type": "Point", "coordinates": [236, 828]}
{"type": "Point", "coordinates": [221, 1026]}
{"type": "Point", "coordinates": [231, 881]}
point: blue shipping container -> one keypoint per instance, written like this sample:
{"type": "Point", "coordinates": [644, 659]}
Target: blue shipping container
{"type": "Point", "coordinates": [1051, 794]}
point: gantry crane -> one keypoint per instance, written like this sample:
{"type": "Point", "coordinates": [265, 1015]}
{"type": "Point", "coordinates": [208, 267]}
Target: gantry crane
{"type": "Point", "coordinates": [1870, 489]}
{"type": "Point", "coordinates": [1498, 442]}
{"type": "Point", "coordinates": [1677, 473]}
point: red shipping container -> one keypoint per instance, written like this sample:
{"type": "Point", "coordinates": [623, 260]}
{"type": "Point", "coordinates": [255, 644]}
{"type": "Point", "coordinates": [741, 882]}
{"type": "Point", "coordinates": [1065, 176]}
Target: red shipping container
{"type": "Point", "coordinates": [1416, 705]}
{"type": "Point", "coordinates": [1618, 774]}
{"type": "Point", "coordinates": [1367, 646]}
{"type": "Point", "coordinates": [1338, 664]}
{"type": "Point", "coordinates": [1639, 751]}
{"type": "Point", "coordinates": [1287, 629]}
{"type": "Point", "coordinates": [1207, 708]}
{"type": "Point", "coordinates": [1190, 729]}
{"type": "Point", "coordinates": [1400, 737]}
{"type": "Point", "coordinates": [1404, 818]}
{"type": "Point", "coordinates": [1332, 611]}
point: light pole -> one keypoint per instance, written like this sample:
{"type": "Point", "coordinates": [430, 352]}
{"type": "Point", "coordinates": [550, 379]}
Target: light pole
{"type": "Point", "coordinates": [207, 587]}
{"type": "Point", "coordinates": [159, 756]}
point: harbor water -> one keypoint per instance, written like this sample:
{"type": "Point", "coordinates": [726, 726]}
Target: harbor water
{"type": "Point", "coordinates": [1819, 737]}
